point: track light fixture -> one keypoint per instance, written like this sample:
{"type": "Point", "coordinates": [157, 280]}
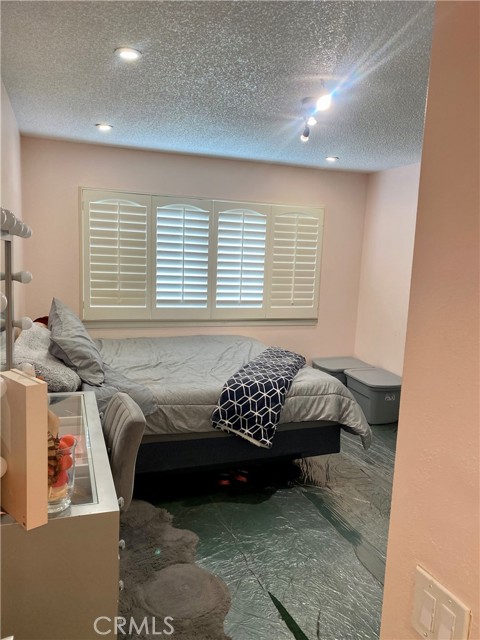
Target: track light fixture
{"type": "Point", "coordinates": [306, 133]}
{"type": "Point", "coordinates": [310, 107]}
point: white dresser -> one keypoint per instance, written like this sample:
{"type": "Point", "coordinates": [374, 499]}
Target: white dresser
{"type": "Point", "coordinates": [56, 580]}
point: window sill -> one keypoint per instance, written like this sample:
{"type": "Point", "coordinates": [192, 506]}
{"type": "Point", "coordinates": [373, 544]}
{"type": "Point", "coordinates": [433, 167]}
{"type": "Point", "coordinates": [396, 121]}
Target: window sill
{"type": "Point", "coordinates": [149, 324]}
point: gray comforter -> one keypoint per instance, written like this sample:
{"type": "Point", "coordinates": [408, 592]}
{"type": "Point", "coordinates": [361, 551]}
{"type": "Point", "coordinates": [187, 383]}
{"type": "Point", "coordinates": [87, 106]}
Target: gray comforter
{"type": "Point", "coordinates": [186, 376]}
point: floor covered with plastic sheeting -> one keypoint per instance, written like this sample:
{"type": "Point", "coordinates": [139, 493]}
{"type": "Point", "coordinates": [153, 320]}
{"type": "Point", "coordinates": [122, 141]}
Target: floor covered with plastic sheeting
{"type": "Point", "coordinates": [314, 537]}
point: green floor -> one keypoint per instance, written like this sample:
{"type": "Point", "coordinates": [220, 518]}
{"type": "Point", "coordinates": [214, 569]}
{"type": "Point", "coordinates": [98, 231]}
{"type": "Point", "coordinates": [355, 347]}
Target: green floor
{"type": "Point", "coordinates": [317, 543]}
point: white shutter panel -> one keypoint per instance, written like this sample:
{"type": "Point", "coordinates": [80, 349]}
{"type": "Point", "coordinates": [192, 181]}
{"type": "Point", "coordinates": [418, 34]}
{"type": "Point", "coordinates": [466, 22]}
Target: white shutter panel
{"type": "Point", "coordinates": [240, 261]}
{"type": "Point", "coordinates": [115, 255]}
{"type": "Point", "coordinates": [296, 248]}
{"type": "Point", "coordinates": [182, 254]}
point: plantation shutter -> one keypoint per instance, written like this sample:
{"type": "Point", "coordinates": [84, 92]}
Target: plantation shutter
{"type": "Point", "coordinates": [115, 255]}
{"type": "Point", "coordinates": [182, 258]}
{"type": "Point", "coordinates": [295, 256]}
{"type": "Point", "coordinates": [173, 258]}
{"type": "Point", "coordinates": [240, 260]}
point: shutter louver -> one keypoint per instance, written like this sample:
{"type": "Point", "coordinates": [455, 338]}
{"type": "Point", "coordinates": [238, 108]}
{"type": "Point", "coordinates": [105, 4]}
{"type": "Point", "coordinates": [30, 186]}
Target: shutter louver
{"type": "Point", "coordinates": [116, 257]}
{"type": "Point", "coordinates": [241, 243]}
{"type": "Point", "coordinates": [295, 265]}
{"type": "Point", "coordinates": [182, 247]}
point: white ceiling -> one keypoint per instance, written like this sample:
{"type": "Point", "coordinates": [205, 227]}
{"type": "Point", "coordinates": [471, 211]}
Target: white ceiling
{"type": "Point", "coordinates": [224, 78]}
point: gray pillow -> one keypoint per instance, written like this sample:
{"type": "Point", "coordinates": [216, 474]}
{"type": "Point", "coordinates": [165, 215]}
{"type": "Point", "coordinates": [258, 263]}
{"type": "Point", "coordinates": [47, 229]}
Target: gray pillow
{"type": "Point", "coordinates": [32, 346]}
{"type": "Point", "coordinates": [71, 343]}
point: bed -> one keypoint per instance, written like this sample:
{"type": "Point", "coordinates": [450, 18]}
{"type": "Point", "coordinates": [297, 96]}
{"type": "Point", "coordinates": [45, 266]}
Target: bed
{"type": "Point", "coordinates": [177, 383]}
{"type": "Point", "coordinates": [185, 376]}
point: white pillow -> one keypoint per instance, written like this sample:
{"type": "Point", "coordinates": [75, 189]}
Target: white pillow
{"type": "Point", "coordinates": [32, 346]}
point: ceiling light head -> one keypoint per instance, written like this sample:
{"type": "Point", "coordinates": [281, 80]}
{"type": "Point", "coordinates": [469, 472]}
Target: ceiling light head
{"type": "Point", "coordinates": [324, 100]}
{"type": "Point", "coordinates": [103, 126]}
{"type": "Point", "coordinates": [306, 134]}
{"type": "Point", "coordinates": [128, 54]}
{"type": "Point", "coordinates": [311, 121]}
{"type": "Point", "coordinates": [331, 158]}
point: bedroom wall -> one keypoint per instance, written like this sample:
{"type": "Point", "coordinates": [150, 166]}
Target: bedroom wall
{"type": "Point", "coordinates": [435, 508]}
{"type": "Point", "coordinates": [11, 190]}
{"type": "Point", "coordinates": [387, 266]}
{"type": "Point", "coordinates": [53, 171]}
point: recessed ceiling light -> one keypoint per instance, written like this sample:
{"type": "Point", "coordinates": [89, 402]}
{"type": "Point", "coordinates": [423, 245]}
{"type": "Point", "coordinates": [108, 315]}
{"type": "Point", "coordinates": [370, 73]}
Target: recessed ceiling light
{"type": "Point", "coordinates": [103, 126]}
{"type": "Point", "coordinates": [331, 158]}
{"type": "Point", "coordinates": [311, 121]}
{"type": "Point", "coordinates": [127, 53]}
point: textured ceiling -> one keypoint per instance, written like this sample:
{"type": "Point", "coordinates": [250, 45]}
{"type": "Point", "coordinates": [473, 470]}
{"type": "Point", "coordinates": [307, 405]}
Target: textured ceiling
{"type": "Point", "coordinates": [224, 78]}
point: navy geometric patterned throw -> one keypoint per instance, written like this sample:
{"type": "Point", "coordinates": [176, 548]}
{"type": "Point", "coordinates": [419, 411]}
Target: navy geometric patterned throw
{"type": "Point", "coordinates": [252, 399]}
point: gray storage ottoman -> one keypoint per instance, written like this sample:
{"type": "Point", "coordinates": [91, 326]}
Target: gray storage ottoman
{"type": "Point", "coordinates": [378, 393]}
{"type": "Point", "coordinates": [336, 366]}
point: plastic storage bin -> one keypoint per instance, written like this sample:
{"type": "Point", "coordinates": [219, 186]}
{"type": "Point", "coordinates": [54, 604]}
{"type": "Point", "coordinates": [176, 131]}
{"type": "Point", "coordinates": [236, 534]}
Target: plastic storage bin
{"type": "Point", "coordinates": [336, 366]}
{"type": "Point", "coordinates": [378, 393]}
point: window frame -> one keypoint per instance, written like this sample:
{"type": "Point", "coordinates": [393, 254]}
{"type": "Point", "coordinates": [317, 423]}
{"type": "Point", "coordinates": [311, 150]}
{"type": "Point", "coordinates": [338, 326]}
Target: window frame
{"type": "Point", "coordinates": [178, 313]}
{"type": "Point", "coordinates": [236, 313]}
{"type": "Point", "coordinates": [117, 312]}
{"type": "Point", "coordinates": [210, 314]}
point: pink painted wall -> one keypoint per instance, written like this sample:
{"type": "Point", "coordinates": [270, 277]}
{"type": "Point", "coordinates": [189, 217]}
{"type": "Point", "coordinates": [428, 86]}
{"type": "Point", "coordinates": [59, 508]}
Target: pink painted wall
{"type": "Point", "coordinates": [435, 508]}
{"type": "Point", "coordinates": [53, 171]}
{"type": "Point", "coordinates": [11, 189]}
{"type": "Point", "coordinates": [387, 266]}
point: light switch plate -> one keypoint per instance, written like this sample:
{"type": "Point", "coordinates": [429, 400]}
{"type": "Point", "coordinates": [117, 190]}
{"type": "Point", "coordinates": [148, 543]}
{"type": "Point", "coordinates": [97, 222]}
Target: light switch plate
{"type": "Point", "coordinates": [450, 617]}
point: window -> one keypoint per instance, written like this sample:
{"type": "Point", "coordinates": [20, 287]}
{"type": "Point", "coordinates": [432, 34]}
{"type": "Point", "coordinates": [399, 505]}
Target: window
{"type": "Point", "coordinates": [116, 257]}
{"type": "Point", "coordinates": [182, 240]}
{"type": "Point", "coordinates": [297, 237]}
{"type": "Point", "coordinates": [149, 257]}
{"type": "Point", "coordinates": [240, 240]}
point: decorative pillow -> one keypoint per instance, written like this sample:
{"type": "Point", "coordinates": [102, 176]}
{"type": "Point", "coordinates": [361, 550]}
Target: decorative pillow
{"type": "Point", "coordinates": [32, 346]}
{"type": "Point", "coordinates": [71, 343]}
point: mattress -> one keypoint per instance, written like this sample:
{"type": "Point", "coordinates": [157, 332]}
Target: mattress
{"type": "Point", "coordinates": [186, 376]}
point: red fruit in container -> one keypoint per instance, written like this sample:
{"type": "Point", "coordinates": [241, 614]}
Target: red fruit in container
{"type": "Point", "coordinates": [62, 479]}
{"type": "Point", "coordinates": [66, 462]}
{"type": "Point", "coordinates": [67, 441]}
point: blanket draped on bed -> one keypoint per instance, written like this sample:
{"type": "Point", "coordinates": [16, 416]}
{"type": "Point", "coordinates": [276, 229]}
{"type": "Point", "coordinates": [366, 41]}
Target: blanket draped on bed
{"type": "Point", "coordinates": [252, 399]}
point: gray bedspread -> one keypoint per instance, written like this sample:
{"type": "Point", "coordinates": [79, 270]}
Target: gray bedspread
{"type": "Point", "coordinates": [186, 376]}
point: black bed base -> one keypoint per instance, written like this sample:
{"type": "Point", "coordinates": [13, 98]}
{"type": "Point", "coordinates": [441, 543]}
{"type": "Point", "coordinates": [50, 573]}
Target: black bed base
{"type": "Point", "coordinates": [208, 453]}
